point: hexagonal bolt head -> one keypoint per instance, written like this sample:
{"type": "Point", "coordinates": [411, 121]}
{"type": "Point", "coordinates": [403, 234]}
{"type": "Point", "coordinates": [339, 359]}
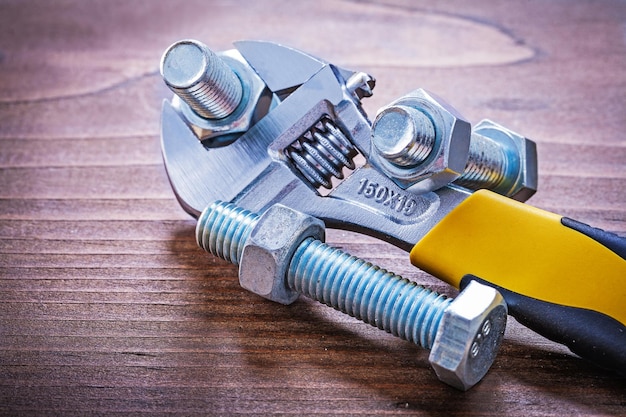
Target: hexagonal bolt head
{"type": "Point", "coordinates": [520, 153]}
{"type": "Point", "coordinates": [404, 131]}
{"type": "Point", "coordinates": [268, 251]}
{"type": "Point", "coordinates": [469, 336]}
{"type": "Point", "coordinates": [228, 125]}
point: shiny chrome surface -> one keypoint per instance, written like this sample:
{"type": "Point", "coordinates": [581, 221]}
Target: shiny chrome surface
{"type": "Point", "coordinates": [254, 171]}
{"type": "Point", "coordinates": [260, 167]}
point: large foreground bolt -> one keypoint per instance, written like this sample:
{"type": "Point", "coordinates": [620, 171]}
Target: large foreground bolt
{"type": "Point", "coordinates": [410, 135]}
{"type": "Point", "coordinates": [281, 254]}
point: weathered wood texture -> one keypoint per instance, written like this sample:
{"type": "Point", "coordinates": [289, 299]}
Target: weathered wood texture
{"type": "Point", "coordinates": [108, 307]}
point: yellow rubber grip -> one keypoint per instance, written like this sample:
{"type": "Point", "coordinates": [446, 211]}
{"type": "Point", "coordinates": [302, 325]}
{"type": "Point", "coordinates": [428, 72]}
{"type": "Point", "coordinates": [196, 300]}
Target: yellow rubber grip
{"type": "Point", "coordinates": [526, 250]}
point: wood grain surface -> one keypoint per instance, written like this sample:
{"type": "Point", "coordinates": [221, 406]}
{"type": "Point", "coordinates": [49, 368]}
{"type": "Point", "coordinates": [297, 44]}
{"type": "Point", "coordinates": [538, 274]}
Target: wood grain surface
{"type": "Point", "coordinates": [108, 307]}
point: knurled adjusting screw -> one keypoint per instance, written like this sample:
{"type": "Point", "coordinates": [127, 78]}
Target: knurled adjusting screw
{"type": "Point", "coordinates": [281, 255]}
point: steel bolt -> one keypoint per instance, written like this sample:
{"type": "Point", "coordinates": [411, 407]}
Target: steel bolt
{"type": "Point", "coordinates": [201, 79]}
{"type": "Point", "coordinates": [498, 159]}
{"type": "Point", "coordinates": [374, 295]}
{"type": "Point", "coordinates": [420, 142]}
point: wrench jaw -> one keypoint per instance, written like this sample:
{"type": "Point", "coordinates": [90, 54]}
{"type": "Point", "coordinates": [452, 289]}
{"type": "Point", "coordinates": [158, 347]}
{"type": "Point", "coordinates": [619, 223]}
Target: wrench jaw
{"type": "Point", "coordinates": [178, 144]}
{"type": "Point", "coordinates": [282, 69]}
{"type": "Point", "coordinates": [202, 173]}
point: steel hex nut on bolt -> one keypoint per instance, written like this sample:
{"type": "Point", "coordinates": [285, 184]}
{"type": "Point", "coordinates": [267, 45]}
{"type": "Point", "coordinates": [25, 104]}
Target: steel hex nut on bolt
{"type": "Point", "coordinates": [269, 250]}
{"type": "Point", "coordinates": [420, 142]}
{"type": "Point", "coordinates": [219, 95]}
{"type": "Point", "coordinates": [469, 336]}
{"type": "Point", "coordinates": [280, 255]}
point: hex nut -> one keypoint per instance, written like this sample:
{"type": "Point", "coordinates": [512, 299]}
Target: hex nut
{"type": "Point", "coordinates": [469, 336]}
{"type": "Point", "coordinates": [268, 251]}
{"type": "Point", "coordinates": [255, 103]}
{"type": "Point", "coordinates": [521, 154]}
{"type": "Point", "coordinates": [448, 158]}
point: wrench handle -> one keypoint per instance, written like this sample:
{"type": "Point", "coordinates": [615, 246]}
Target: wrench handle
{"type": "Point", "coordinates": [561, 278]}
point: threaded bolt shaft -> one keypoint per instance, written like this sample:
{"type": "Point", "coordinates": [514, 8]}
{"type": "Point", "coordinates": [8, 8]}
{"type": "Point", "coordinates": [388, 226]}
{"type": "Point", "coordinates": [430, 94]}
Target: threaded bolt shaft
{"type": "Point", "coordinates": [366, 292]}
{"type": "Point", "coordinates": [486, 164]}
{"type": "Point", "coordinates": [201, 79]}
{"type": "Point", "coordinates": [405, 136]}
{"type": "Point", "coordinates": [335, 278]}
{"type": "Point", "coordinates": [223, 229]}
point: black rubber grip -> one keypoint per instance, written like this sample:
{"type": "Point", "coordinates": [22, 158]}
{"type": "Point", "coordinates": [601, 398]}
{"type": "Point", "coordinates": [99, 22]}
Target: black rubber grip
{"type": "Point", "coordinates": [589, 334]}
{"type": "Point", "coordinates": [610, 240]}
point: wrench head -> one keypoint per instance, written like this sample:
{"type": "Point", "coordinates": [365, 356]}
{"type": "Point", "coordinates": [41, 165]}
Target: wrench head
{"type": "Point", "coordinates": [316, 126]}
{"type": "Point", "coordinates": [283, 69]}
{"type": "Point", "coordinates": [200, 175]}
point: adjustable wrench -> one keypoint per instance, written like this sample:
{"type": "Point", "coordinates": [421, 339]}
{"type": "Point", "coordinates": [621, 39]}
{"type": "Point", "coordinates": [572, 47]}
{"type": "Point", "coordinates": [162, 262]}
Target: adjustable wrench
{"type": "Point", "coordinates": [559, 277]}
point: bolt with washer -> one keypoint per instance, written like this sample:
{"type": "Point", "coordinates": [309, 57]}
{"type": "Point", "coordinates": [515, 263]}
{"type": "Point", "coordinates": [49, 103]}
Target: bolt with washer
{"type": "Point", "coordinates": [281, 254]}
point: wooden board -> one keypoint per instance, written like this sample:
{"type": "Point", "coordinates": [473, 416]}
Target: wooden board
{"type": "Point", "coordinates": [108, 307]}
